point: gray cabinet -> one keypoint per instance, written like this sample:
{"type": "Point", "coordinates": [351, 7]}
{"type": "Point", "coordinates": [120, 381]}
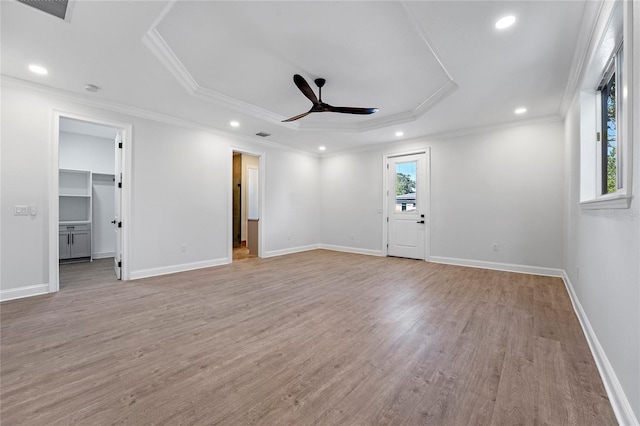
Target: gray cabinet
{"type": "Point", "coordinates": [74, 242]}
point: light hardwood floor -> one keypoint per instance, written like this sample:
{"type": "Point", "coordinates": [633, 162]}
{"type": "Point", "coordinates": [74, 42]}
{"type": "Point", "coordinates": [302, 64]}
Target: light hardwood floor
{"type": "Point", "coordinates": [312, 338]}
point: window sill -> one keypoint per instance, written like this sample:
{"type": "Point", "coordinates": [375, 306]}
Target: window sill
{"type": "Point", "coordinates": [614, 202]}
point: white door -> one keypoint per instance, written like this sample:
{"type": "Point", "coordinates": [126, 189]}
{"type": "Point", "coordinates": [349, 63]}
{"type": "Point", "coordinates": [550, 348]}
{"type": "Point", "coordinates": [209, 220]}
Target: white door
{"type": "Point", "coordinates": [117, 223]}
{"type": "Point", "coordinates": [407, 206]}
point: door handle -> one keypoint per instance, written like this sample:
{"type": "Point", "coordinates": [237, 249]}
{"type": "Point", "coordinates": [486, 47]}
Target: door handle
{"type": "Point", "coordinates": [420, 221]}
{"type": "Point", "coordinates": [68, 239]}
{"type": "Point", "coordinates": [71, 238]}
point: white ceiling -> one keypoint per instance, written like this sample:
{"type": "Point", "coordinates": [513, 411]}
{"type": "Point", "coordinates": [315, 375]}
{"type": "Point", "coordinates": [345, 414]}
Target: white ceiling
{"type": "Point", "coordinates": [431, 67]}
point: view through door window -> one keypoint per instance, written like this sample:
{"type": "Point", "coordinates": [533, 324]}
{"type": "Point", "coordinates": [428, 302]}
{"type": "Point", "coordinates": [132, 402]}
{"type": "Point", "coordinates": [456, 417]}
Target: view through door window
{"type": "Point", "coordinates": [406, 186]}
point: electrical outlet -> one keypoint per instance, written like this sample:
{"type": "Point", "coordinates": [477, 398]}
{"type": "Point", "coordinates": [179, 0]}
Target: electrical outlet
{"type": "Point", "coordinates": [353, 236]}
{"type": "Point", "coordinates": [288, 237]}
{"type": "Point", "coordinates": [495, 246]}
{"type": "Point", "coordinates": [183, 248]}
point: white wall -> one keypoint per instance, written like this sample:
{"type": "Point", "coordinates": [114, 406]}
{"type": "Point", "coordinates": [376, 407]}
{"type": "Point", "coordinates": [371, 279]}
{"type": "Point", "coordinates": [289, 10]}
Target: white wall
{"type": "Point", "coordinates": [501, 186]}
{"type": "Point", "coordinates": [292, 202]}
{"type": "Point", "coordinates": [180, 191]}
{"type": "Point", "coordinates": [605, 246]}
{"type": "Point", "coordinates": [351, 194]}
{"type": "Point", "coordinates": [85, 152]}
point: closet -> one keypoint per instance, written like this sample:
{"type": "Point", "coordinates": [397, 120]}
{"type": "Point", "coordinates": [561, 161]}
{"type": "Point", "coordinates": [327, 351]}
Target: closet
{"type": "Point", "coordinates": [86, 191]}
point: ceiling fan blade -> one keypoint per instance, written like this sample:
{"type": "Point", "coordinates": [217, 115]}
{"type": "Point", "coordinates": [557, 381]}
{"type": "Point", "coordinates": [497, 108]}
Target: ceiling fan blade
{"type": "Point", "coordinates": [305, 88]}
{"type": "Point", "coordinates": [352, 110]}
{"type": "Point", "coordinates": [297, 117]}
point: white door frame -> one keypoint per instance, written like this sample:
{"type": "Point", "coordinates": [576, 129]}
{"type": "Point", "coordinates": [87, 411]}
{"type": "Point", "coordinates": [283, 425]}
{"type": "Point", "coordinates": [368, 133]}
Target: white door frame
{"type": "Point", "coordinates": [261, 196]}
{"type": "Point", "coordinates": [127, 132]}
{"type": "Point", "coordinates": [427, 199]}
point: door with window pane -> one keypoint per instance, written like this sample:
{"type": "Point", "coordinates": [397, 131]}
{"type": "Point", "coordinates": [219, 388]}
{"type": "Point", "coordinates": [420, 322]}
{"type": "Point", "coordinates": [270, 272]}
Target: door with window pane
{"type": "Point", "coordinates": [407, 215]}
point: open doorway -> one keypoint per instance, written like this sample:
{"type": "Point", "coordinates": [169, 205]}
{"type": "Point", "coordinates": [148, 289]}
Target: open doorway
{"type": "Point", "coordinates": [87, 197]}
{"type": "Point", "coordinates": [245, 202]}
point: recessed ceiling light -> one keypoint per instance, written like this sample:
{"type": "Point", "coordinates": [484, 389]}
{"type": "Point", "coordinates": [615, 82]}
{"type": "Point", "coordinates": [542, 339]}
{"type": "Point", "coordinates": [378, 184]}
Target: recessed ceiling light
{"type": "Point", "coordinates": [38, 69]}
{"type": "Point", "coordinates": [520, 110]}
{"type": "Point", "coordinates": [322, 148]}
{"type": "Point", "coordinates": [399, 133]}
{"type": "Point", "coordinates": [234, 124]}
{"type": "Point", "coordinates": [505, 22]}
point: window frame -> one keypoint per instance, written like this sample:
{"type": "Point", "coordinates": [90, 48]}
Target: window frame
{"type": "Point", "coordinates": [615, 42]}
{"type": "Point", "coordinates": [613, 71]}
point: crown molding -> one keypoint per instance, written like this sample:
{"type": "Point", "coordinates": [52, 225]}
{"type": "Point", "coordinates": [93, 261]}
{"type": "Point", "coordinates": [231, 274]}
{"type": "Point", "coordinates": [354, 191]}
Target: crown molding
{"type": "Point", "coordinates": [588, 29]}
{"type": "Point", "coordinates": [433, 137]}
{"type": "Point", "coordinates": [19, 84]}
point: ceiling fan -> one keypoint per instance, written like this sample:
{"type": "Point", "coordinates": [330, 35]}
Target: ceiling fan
{"type": "Point", "coordinates": [318, 105]}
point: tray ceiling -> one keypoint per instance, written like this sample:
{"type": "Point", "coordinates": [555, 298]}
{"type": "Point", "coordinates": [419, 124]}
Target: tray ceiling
{"type": "Point", "coordinates": [243, 55]}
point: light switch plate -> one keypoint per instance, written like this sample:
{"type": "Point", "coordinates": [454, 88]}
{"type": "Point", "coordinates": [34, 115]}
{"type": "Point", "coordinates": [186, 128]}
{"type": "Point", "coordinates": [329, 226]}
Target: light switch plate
{"type": "Point", "coordinates": [20, 211]}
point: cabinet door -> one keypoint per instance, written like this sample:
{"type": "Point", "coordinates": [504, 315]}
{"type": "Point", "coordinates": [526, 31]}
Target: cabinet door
{"type": "Point", "coordinates": [64, 245]}
{"type": "Point", "coordinates": [80, 244]}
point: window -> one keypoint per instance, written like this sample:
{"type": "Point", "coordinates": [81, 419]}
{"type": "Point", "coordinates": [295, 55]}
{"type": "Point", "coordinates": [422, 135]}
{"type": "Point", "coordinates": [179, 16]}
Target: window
{"type": "Point", "coordinates": [610, 179]}
{"type": "Point", "coordinates": [406, 186]}
{"type": "Point", "coordinates": [605, 113]}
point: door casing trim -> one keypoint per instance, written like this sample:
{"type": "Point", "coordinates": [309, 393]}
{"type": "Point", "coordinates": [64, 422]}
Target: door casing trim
{"type": "Point", "coordinates": [127, 141]}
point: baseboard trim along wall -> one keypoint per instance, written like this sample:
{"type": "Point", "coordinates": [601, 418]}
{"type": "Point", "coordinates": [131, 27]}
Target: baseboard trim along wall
{"type": "Point", "coordinates": [103, 255]}
{"type": "Point", "coordinates": [353, 250]}
{"type": "Point", "coordinates": [26, 291]}
{"type": "Point", "coordinates": [617, 397]}
{"type": "Point", "coordinates": [291, 250]}
{"type": "Point", "coordinates": [153, 272]}
{"type": "Point", "coordinates": [507, 267]}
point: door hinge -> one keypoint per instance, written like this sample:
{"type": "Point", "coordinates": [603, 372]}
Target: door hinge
{"type": "Point", "coordinates": [119, 264]}
{"type": "Point", "coordinates": [119, 184]}
{"type": "Point", "coordinates": [119, 224]}
{"type": "Point", "coordinates": [387, 166]}
{"type": "Point", "coordinates": [120, 145]}
{"type": "Point", "coordinates": [387, 218]}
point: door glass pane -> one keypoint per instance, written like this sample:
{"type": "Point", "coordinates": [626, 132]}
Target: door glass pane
{"type": "Point", "coordinates": [406, 186]}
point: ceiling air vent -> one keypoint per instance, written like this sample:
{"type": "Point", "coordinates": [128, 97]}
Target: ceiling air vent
{"type": "Point", "coordinates": [263, 134]}
{"type": "Point", "coordinates": [57, 8]}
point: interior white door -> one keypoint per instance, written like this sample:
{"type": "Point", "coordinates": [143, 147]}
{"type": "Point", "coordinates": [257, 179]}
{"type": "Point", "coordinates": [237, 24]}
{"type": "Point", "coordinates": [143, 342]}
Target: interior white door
{"type": "Point", "coordinates": [117, 223]}
{"type": "Point", "coordinates": [407, 205]}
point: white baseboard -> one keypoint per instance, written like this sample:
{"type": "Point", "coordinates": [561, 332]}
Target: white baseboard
{"type": "Point", "coordinates": [103, 255]}
{"type": "Point", "coordinates": [617, 397]}
{"type": "Point", "coordinates": [153, 272]}
{"type": "Point", "coordinates": [353, 250]}
{"type": "Point", "coordinates": [282, 252]}
{"type": "Point", "coordinates": [508, 267]}
{"type": "Point", "coordinates": [26, 291]}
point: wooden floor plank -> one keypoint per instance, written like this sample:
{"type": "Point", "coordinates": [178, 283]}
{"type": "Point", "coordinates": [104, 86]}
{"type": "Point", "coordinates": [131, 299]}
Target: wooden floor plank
{"type": "Point", "coordinates": [312, 338]}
